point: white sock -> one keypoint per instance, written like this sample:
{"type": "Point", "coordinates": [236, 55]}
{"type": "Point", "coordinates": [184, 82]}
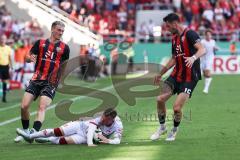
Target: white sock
{"type": "Point", "coordinates": [54, 140]}
{"type": "Point", "coordinates": [43, 133]}
{"type": "Point", "coordinates": [207, 83]}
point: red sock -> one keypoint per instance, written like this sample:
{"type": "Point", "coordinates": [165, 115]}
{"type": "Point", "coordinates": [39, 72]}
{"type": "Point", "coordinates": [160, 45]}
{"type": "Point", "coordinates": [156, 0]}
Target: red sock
{"type": "Point", "coordinates": [57, 132]}
{"type": "Point", "coordinates": [62, 140]}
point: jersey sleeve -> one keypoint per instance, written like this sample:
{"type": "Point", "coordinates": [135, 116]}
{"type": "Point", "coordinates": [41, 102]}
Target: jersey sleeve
{"type": "Point", "coordinates": [193, 37]}
{"type": "Point", "coordinates": [119, 130]}
{"type": "Point", "coordinates": [96, 121]}
{"type": "Point", "coordinates": [90, 133]}
{"type": "Point", "coordinates": [117, 135]}
{"type": "Point", "coordinates": [35, 48]}
{"type": "Point", "coordinates": [66, 53]}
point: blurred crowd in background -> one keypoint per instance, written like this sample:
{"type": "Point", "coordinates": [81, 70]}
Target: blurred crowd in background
{"type": "Point", "coordinates": [112, 18]}
{"type": "Point", "coordinates": [20, 37]}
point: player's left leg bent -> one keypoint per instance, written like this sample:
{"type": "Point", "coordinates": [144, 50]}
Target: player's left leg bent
{"type": "Point", "coordinates": [65, 130]}
{"type": "Point", "coordinates": [73, 139]}
{"type": "Point", "coordinates": [184, 93]}
{"type": "Point", "coordinates": [177, 108]}
{"type": "Point", "coordinates": [166, 93]}
{"type": "Point", "coordinates": [44, 102]}
{"type": "Point", "coordinates": [76, 139]}
{"type": "Point", "coordinates": [70, 128]}
{"type": "Point", "coordinates": [46, 96]}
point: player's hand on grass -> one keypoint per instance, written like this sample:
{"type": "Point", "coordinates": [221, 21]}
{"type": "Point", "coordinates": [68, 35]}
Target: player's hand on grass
{"type": "Point", "coordinates": [157, 79]}
{"type": "Point", "coordinates": [103, 139]}
{"type": "Point", "coordinates": [92, 145]}
{"type": "Point", "coordinates": [189, 61]}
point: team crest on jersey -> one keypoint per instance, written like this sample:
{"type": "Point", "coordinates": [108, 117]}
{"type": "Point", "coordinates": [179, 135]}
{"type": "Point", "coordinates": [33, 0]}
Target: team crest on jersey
{"type": "Point", "coordinates": [58, 49]}
{"type": "Point", "coordinates": [43, 45]}
{"type": "Point", "coordinates": [53, 90]}
{"type": "Point", "coordinates": [183, 38]}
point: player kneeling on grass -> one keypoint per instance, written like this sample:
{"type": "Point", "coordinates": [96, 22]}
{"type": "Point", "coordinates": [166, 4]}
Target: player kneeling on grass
{"type": "Point", "coordinates": [82, 132]}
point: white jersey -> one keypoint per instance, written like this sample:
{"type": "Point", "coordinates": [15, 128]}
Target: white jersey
{"type": "Point", "coordinates": [207, 59]}
{"type": "Point", "coordinates": [80, 130]}
{"type": "Point", "coordinates": [209, 46]}
{"type": "Point", "coordinates": [116, 128]}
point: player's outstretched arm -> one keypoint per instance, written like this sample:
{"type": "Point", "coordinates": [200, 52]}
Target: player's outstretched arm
{"type": "Point", "coordinates": [164, 69]}
{"type": "Point", "coordinates": [33, 53]}
{"type": "Point", "coordinates": [115, 140]}
{"type": "Point", "coordinates": [91, 130]}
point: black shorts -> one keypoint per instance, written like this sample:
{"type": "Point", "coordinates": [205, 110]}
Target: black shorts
{"type": "Point", "coordinates": [4, 72]}
{"type": "Point", "coordinates": [41, 88]}
{"type": "Point", "coordinates": [181, 87]}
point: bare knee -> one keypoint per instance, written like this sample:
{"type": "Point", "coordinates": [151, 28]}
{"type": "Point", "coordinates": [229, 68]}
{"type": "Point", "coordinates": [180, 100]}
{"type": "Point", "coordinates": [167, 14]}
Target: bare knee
{"type": "Point", "coordinates": [42, 108]}
{"type": "Point", "coordinates": [161, 99]}
{"type": "Point", "coordinates": [27, 100]}
{"type": "Point", "coordinates": [25, 106]}
{"type": "Point", "coordinates": [177, 107]}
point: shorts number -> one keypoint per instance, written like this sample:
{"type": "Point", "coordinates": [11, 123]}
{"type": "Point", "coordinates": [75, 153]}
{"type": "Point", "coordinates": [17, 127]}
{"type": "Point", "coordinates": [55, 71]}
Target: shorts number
{"type": "Point", "coordinates": [188, 91]}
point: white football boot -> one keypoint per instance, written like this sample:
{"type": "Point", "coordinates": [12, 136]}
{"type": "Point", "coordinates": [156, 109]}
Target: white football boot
{"type": "Point", "coordinates": [160, 131]}
{"type": "Point", "coordinates": [172, 135]}
{"type": "Point", "coordinates": [20, 138]}
{"type": "Point", "coordinates": [26, 135]}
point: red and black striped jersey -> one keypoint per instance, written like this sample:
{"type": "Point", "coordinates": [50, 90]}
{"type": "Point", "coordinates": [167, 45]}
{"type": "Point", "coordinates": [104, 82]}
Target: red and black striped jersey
{"type": "Point", "coordinates": [50, 57]}
{"type": "Point", "coordinates": [183, 46]}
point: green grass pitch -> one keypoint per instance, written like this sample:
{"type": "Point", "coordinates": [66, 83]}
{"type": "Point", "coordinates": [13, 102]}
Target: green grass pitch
{"type": "Point", "coordinates": [210, 128]}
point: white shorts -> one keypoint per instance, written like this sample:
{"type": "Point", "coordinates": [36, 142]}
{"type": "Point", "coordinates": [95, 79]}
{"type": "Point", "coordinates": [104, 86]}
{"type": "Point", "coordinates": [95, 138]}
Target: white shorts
{"type": "Point", "coordinates": [206, 63]}
{"type": "Point", "coordinates": [74, 131]}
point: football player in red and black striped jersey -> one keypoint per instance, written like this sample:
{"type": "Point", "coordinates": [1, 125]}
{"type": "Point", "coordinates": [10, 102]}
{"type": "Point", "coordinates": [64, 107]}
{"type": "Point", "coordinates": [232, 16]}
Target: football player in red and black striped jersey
{"type": "Point", "coordinates": [186, 50]}
{"type": "Point", "coordinates": [49, 56]}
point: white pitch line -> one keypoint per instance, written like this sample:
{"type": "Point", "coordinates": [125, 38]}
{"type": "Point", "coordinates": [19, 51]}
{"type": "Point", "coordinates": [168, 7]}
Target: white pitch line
{"type": "Point", "coordinates": [51, 107]}
{"type": "Point", "coordinates": [11, 107]}
{"type": "Point", "coordinates": [18, 118]}
{"type": "Point", "coordinates": [18, 105]}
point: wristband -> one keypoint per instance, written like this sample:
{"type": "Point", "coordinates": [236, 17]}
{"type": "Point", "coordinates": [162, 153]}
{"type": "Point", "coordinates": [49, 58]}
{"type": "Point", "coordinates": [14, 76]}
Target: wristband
{"type": "Point", "coordinates": [194, 57]}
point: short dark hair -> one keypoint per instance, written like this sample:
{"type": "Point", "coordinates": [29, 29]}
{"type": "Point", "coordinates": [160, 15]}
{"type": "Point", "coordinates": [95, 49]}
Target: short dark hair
{"type": "Point", "coordinates": [110, 112]}
{"type": "Point", "coordinates": [57, 23]}
{"type": "Point", "coordinates": [208, 30]}
{"type": "Point", "coordinates": [171, 17]}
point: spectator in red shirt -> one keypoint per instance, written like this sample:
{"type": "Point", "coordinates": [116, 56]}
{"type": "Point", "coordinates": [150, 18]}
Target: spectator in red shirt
{"type": "Point", "coordinates": [195, 9]}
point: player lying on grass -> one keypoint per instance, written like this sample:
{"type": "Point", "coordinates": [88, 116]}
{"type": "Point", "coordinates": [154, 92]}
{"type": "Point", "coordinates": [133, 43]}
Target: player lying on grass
{"type": "Point", "coordinates": [82, 132]}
